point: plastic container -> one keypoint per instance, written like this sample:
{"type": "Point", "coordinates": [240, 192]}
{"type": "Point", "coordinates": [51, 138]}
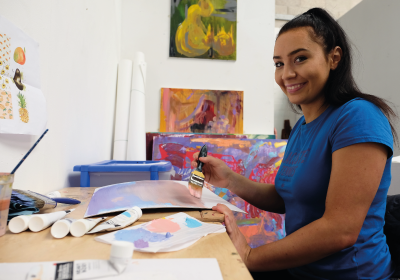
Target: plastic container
{"type": "Point", "coordinates": [6, 181]}
{"type": "Point", "coordinates": [114, 171]}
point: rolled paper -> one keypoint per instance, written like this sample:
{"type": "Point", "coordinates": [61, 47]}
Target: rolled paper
{"type": "Point", "coordinates": [137, 131]}
{"type": "Point", "coordinates": [122, 109]}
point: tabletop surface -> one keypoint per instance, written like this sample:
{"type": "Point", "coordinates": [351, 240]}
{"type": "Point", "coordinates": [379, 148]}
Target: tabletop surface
{"type": "Point", "coordinates": [41, 246]}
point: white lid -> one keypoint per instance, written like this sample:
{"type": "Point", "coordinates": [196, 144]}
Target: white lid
{"type": "Point", "coordinates": [79, 228]}
{"type": "Point", "coordinates": [121, 249]}
{"type": "Point", "coordinates": [18, 224]}
{"type": "Point", "coordinates": [139, 57]}
{"type": "Point", "coordinates": [54, 194]}
{"type": "Point", "coordinates": [37, 223]}
{"type": "Point", "coordinates": [60, 229]}
{"type": "Point", "coordinates": [138, 210]}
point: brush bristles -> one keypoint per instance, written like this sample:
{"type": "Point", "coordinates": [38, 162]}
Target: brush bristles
{"type": "Point", "coordinates": [39, 203]}
{"type": "Point", "coordinates": [196, 182]}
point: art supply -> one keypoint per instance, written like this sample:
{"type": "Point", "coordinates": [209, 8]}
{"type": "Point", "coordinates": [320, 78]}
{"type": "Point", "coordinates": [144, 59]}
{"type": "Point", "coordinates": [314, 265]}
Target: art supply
{"type": "Point", "coordinates": [6, 181]}
{"type": "Point", "coordinates": [171, 233]}
{"type": "Point", "coordinates": [196, 180]}
{"type": "Point", "coordinates": [41, 201]}
{"type": "Point", "coordinates": [83, 226]}
{"type": "Point", "coordinates": [121, 255]}
{"type": "Point", "coordinates": [19, 224]}
{"type": "Point", "coordinates": [122, 220]}
{"type": "Point", "coordinates": [150, 195]}
{"type": "Point", "coordinates": [61, 228]}
{"type": "Point", "coordinates": [122, 109]}
{"type": "Point", "coordinates": [30, 150]}
{"type": "Point", "coordinates": [154, 269]}
{"type": "Point", "coordinates": [42, 221]}
{"type": "Point", "coordinates": [136, 149]}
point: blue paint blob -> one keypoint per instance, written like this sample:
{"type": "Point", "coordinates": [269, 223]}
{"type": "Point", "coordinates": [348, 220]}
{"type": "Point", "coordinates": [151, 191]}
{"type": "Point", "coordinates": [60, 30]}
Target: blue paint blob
{"type": "Point", "coordinates": [190, 223]}
{"type": "Point", "coordinates": [139, 236]}
{"type": "Point", "coordinates": [126, 214]}
{"type": "Point", "coordinates": [168, 235]}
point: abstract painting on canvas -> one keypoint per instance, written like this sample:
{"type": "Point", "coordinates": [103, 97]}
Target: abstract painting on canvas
{"type": "Point", "coordinates": [203, 29]}
{"type": "Point", "coordinates": [201, 111]}
{"type": "Point", "coordinates": [257, 159]}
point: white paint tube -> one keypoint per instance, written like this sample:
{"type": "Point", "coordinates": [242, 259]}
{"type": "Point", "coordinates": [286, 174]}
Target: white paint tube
{"type": "Point", "coordinates": [42, 221]}
{"type": "Point", "coordinates": [120, 258]}
{"type": "Point", "coordinates": [54, 194]}
{"type": "Point", "coordinates": [122, 220]}
{"type": "Point", "coordinates": [19, 224]}
{"type": "Point", "coordinates": [82, 226]}
{"type": "Point", "coordinates": [60, 229]}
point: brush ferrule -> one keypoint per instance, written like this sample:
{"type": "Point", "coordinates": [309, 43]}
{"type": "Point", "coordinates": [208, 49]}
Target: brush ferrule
{"type": "Point", "coordinates": [197, 180]}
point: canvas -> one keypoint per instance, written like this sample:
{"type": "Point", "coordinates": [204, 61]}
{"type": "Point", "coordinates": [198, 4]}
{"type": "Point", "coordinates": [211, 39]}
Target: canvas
{"type": "Point", "coordinates": [203, 29]}
{"type": "Point", "coordinates": [149, 195]}
{"type": "Point", "coordinates": [151, 135]}
{"type": "Point", "coordinates": [257, 159]}
{"type": "Point", "coordinates": [201, 111]}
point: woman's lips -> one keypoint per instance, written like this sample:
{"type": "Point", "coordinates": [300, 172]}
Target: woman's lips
{"type": "Point", "coordinates": [294, 87]}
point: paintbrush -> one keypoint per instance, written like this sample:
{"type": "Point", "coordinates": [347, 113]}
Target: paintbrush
{"type": "Point", "coordinates": [40, 201]}
{"type": "Point", "coordinates": [196, 180]}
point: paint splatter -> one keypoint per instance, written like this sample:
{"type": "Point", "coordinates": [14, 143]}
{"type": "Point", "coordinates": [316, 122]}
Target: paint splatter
{"type": "Point", "coordinates": [163, 225]}
{"type": "Point", "coordinates": [140, 237]}
{"type": "Point", "coordinates": [191, 223]}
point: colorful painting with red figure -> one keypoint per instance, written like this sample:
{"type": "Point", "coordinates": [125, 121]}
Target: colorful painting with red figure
{"type": "Point", "coordinates": [201, 111]}
{"type": "Point", "coordinates": [257, 159]}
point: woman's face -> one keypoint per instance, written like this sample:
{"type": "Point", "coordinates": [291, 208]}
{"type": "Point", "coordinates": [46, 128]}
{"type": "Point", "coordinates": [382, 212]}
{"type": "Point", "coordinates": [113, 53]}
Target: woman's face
{"type": "Point", "coordinates": [302, 68]}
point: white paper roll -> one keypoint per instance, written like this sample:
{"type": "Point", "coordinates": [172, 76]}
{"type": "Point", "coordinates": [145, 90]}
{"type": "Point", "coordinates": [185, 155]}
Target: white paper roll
{"type": "Point", "coordinates": [137, 132]}
{"type": "Point", "coordinates": [122, 109]}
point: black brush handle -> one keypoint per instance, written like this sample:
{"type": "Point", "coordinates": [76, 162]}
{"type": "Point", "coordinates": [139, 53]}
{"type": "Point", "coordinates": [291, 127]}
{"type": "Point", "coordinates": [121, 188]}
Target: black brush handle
{"type": "Point", "coordinates": [203, 153]}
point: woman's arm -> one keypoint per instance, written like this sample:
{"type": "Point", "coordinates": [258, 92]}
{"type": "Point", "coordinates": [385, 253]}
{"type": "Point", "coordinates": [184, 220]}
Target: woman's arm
{"type": "Point", "coordinates": [355, 177]}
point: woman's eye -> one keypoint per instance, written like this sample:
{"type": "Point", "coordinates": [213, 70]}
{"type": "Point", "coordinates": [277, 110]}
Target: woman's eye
{"type": "Point", "coordinates": [300, 59]}
{"type": "Point", "coordinates": [278, 64]}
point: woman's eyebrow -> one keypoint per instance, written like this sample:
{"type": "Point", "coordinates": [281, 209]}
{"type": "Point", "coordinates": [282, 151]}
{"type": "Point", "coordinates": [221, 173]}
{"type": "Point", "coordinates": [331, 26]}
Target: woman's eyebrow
{"type": "Point", "coordinates": [292, 52]}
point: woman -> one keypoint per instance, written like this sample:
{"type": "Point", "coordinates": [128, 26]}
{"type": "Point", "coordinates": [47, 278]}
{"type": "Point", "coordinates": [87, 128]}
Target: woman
{"type": "Point", "coordinates": [334, 177]}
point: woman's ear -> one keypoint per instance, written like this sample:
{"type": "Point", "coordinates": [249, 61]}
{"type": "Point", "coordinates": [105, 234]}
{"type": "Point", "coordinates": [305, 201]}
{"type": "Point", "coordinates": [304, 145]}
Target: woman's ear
{"type": "Point", "coordinates": [335, 57]}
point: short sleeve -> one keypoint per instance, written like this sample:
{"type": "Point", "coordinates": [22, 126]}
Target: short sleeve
{"type": "Point", "coordinates": [360, 121]}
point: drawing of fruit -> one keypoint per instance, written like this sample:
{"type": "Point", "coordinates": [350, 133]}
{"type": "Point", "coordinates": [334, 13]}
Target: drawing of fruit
{"type": "Point", "coordinates": [19, 56]}
{"type": "Point", "coordinates": [18, 80]}
{"type": "Point", "coordinates": [23, 112]}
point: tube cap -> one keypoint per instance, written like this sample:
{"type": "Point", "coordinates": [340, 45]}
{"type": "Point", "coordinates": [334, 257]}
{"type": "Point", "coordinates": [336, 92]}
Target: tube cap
{"type": "Point", "coordinates": [138, 210]}
{"type": "Point", "coordinates": [19, 224]}
{"type": "Point", "coordinates": [121, 249]}
{"type": "Point", "coordinates": [60, 229]}
{"type": "Point", "coordinates": [78, 228]}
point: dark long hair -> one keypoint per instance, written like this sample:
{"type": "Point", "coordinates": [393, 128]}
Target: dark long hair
{"type": "Point", "coordinates": [340, 87]}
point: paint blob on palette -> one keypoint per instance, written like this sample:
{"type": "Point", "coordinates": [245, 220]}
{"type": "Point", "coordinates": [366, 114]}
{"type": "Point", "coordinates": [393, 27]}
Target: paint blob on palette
{"type": "Point", "coordinates": [201, 111]}
{"type": "Point", "coordinates": [168, 234]}
{"type": "Point", "coordinates": [150, 195]}
{"type": "Point", "coordinates": [256, 159]}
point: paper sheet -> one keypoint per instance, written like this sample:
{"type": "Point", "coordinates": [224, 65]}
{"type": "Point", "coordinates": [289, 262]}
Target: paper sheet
{"type": "Point", "coordinates": [138, 269]}
{"type": "Point", "coordinates": [150, 195]}
{"type": "Point", "coordinates": [22, 103]}
{"type": "Point", "coordinates": [171, 233]}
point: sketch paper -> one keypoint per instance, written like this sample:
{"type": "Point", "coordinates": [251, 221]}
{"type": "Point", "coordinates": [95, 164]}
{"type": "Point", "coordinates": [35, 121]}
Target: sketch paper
{"type": "Point", "coordinates": [148, 195]}
{"type": "Point", "coordinates": [154, 269]}
{"type": "Point", "coordinates": [201, 111]}
{"type": "Point", "coordinates": [22, 103]}
{"type": "Point", "coordinates": [256, 159]}
{"type": "Point", "coordinates": [167, 234]}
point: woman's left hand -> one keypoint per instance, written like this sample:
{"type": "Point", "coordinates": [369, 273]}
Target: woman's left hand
{"type": "Point", "coordinates": [237, 237]}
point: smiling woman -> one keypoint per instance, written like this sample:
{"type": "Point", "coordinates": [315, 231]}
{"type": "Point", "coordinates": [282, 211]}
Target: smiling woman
{"type": "Point", "coordinates": [339, 156]}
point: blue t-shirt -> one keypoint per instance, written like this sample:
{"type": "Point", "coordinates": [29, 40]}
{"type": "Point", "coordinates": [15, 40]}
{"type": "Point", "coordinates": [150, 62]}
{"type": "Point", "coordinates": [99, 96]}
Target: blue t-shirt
{"type": "Point", "coordinates": [303, 178]}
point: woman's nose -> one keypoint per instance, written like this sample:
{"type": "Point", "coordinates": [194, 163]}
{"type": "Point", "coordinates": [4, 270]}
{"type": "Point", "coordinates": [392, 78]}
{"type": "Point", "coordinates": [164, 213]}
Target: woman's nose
{"type": "Point", "coordinates": [288, 73]}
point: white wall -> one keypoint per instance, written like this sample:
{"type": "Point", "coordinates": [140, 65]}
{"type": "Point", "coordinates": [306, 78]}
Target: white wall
{"type": "Point", "coordinates": [78, 56]}
{"type": "Point", "coordinates": [145, 28]}
{"type": "Point", "coordinates": [373, 27]}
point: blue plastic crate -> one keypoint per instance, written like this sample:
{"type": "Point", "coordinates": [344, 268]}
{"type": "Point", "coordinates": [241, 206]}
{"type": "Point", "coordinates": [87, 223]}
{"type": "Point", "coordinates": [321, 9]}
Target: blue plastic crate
{"type": "Point", "coordinates": [122, 166]}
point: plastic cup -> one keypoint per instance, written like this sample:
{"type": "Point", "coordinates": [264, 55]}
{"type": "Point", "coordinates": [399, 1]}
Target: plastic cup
{"type": "Point", "coordinates": [6, 181]}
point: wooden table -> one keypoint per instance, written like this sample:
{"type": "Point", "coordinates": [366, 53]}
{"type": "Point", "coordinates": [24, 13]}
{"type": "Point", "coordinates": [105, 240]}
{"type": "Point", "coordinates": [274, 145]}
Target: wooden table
{"type": "Point", "coordinates": [37, 247]}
